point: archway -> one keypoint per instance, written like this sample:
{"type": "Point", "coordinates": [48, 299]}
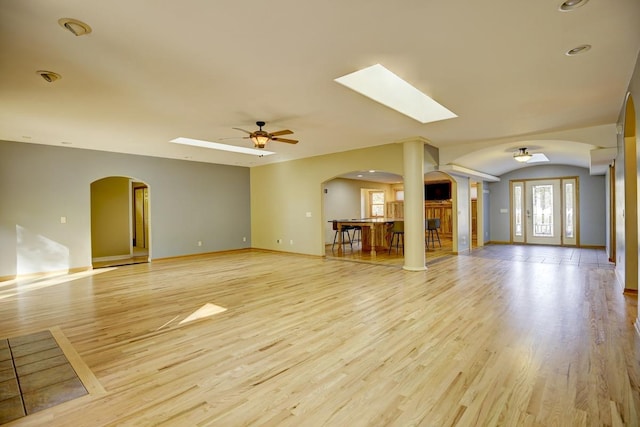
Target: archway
{"type": "Point", "coordinates": [120, 232]}
{"type": "Point", "coordinates": [348, 196]}
{"type": "Point", "coordinates": [362, 195]}
{"type": "Point", "coordinates": [441, 203]}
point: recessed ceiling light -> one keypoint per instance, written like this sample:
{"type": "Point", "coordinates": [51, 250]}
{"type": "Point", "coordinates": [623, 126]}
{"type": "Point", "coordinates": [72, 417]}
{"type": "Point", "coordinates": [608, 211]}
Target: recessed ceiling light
{"type": "Point", "coordinates": [570, 5]}
{"type": "Point", "coordinates": [75, 27]}
{"type": "Point", "coordinates": [49, 76]}
{"type": "Point", "coordinates": [359, 175]}
{"type": "Point", "coordinates": [372, 171]}
{"type": "Point", "coordinates": [218, 146]}
{"type": "Point", "coordinates": [383, 86]}
{"type": "Point", "coordinates": [578, 50]}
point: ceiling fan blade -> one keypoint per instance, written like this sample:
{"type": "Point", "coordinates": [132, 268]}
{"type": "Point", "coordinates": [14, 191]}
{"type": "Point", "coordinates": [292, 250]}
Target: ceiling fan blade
{"type": "Point", "coordinates": [288, 141]}
{"type": "Point", "coordinates": [246, 131]}
{"type": "Point", "coordinates": [232, 137]}
{"type": "Point", "coordinates": [281, 132]}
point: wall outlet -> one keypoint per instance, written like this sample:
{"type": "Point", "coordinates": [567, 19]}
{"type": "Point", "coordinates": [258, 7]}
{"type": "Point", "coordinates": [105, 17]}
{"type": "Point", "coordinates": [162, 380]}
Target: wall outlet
{"type": "Point", "coordinates": [199, 242]}
{"type": "Point", "coordinates": [291, 242]}
{"type": "Point", "coordinates": [63, 220]}
{"type": "Point", "coordinates": [308, 214]}
{"type": "Point", "coordinates": [244, 239]}
{"type": "Point", "coordinates": [278, 241]}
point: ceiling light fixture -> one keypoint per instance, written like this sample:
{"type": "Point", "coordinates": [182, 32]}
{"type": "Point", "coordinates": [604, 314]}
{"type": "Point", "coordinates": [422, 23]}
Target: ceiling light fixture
{"type": "Point", "coordinates": [260, 138]}
{"type": "Point", "coordinates": [49, 76]}
{"type": "Point", "coordinates": [570, 5]}
{"type": "Point", "coordinates": [578, 50]}
{"type": "Point", "coordinates": [383, 86]}
{"type": "Point", "coordinates": [222, 147]}
{"type": "Point", "coordinates": [522, 155]}
{"type": "Point", "coordinates": [75, 27]}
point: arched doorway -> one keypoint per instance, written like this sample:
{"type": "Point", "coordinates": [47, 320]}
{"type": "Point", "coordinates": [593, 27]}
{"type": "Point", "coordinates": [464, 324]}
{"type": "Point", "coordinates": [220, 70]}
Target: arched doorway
{"type": "Point", "coordinates": [362, 195]}
{"type": "Point", "coordinates": [357, 195]}
{"type": "Point", "coordinates": [440, 205]}
{"type": "Point", "coordinates": [120, 232]}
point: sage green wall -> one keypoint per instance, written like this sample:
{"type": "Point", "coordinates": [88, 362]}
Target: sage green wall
{"type": "Point", "coordinates": [287, 198]}
{"type": "Point", "coordinates": [189, 202]}
{"type": "Point", "coordinates": [110, 218]}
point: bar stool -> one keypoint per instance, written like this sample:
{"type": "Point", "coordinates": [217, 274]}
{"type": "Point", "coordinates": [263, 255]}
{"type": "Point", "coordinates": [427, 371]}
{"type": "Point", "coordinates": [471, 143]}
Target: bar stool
{"type": "Point", "coordinates": [433, 225]}
{"type": "Point", "coordinates": [397, 232]}
{"type": "Point", "coordinates": [345, 230]}
{"type": "Point", "coordinates": [357, 231]}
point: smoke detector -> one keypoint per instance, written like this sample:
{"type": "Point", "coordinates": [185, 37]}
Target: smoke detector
{"type": "Point", "coordinates": [75, 27]}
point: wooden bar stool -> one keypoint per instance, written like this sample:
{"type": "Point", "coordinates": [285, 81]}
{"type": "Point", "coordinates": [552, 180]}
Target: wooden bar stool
{"type": "Point", "coordinates": [345, 231]}
{"type": "Point", "coordinates": [397, 232]}
{"type": "Point", "coordinates": [432, 226]}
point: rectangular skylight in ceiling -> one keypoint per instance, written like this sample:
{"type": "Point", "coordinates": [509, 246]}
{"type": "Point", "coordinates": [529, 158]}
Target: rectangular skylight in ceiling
{"type": "Point", "coordinates": [383, 86]}
{"type": "Point", "coordinates": [223, 147]}
{"type": "Point", "coordinates": [538, 158]}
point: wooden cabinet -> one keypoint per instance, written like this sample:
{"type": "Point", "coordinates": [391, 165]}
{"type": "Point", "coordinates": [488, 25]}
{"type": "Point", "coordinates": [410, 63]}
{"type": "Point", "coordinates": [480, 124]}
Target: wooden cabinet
{"type": "Point", "coordinates": [395, 209]}
{"type": "Point", "coordinates": [440, 210]}
{"type": "Point", "coordinates": [474, 217]}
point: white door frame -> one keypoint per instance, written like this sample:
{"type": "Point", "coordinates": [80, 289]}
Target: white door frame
{"type": "Point", "coordinates": [562, 225]}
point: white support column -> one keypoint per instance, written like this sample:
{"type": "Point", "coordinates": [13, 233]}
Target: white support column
{"type": "Point", "coordinates": [414, 256]}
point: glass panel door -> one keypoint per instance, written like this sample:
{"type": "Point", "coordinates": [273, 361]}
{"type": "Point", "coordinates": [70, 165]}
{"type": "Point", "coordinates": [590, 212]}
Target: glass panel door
{"type": "Point", "coordinates": [542, 209]}
{"type": "Point", "coordinates": [569, 211]}
{"type": "Point", "coordinates": [545, 211]}
{"type": "Point", "coordinates": [517, 208]}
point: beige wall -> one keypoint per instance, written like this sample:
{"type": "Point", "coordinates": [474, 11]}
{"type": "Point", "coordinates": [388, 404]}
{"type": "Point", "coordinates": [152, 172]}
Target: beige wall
{"type": "Point", "coordinates": [284, 194]}
{"type": "Point", "coordinates": [110, 217]}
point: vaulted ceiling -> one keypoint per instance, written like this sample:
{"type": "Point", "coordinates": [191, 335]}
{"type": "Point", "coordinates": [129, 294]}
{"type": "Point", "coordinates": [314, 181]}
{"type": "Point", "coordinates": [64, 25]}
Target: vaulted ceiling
{"type": "Point", "coordinates": [152, 71]}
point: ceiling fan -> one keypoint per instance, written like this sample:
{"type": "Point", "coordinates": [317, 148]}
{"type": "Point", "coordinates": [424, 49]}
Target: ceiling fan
{"type": "Point", "coordinates": [261, 137]}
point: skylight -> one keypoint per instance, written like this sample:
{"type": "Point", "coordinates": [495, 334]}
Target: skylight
{"type": "Point", "coordinates": [218, 146]}
{"type": "Point", "coordinates": [383, 86]}
{"type": "Point", "coordinates": [538, 158]}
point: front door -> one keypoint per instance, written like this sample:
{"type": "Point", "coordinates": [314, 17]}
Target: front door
{"type": "Point", "coordinates": [544, 211]}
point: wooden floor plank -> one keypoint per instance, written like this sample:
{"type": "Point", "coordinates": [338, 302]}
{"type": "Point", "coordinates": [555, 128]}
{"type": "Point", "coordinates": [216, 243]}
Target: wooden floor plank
{"type": "Point", "coordinates": [494, 337]}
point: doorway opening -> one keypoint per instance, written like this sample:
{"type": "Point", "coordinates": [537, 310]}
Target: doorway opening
{"type": "Point", "coordinates": [545, 211]}
{"type": "Point", "coordinates": [120, 232]}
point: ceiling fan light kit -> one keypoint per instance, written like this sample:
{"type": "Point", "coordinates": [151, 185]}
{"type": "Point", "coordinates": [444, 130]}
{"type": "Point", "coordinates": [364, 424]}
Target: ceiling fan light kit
{"type": "Point", "coordinates": [522, 155]}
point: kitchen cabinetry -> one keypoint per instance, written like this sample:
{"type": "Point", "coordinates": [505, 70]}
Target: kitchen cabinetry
{"type": "Point", "coordinates": [441, 210]}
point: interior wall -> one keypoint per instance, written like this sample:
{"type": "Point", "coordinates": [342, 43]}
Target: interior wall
{"type": "Point", "coordinates": [461, 205]}
{"type": "Point", "coordinates": [296, 210]}
{"type": "Point", "coordinates": [110, 217]}
{"type": "Point", "coordinates": [627, 234]}
{"type": "Point", "coordinates": [591, 196]}
{"type": "Point", "coordinates": [39, 184]}
{"type": "Point", "coordinates": [486, 211]}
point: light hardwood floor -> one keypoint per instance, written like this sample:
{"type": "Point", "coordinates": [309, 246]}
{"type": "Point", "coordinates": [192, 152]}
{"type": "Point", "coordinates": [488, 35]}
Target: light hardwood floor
{"type": "Point", "coordinates": [309, 341]}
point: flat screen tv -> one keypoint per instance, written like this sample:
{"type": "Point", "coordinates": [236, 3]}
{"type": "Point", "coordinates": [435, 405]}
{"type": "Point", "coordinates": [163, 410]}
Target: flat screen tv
{"type": "Point", "coordinates": [437, 191]}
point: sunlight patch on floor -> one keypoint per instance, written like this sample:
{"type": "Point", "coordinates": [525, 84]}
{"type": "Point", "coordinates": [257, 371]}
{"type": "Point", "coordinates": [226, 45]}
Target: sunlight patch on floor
{"type": "Point", "coordinates": [206, 310]}
{"type": "Point", "coordinates": [19, 286]}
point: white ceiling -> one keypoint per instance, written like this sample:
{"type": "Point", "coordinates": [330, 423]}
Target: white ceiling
{"type": "Point", "coordinates": [152, 71]}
